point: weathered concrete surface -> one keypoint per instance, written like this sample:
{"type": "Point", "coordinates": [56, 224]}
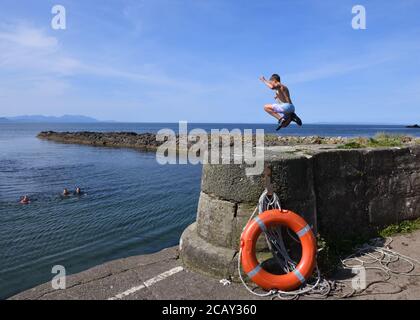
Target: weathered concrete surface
{"type": "Point", "coordinates": [358, 191]}
{"type": "Point", "coordinates": [219, 261]}
{"type": "Point", "coordinates": [108, 280]}
{"type": "Point", "coordinates": [292, 176]}
{"type": "Point", "coordinates": [342, 194]}
{"type": "Point", "coordinates": [217, 229]}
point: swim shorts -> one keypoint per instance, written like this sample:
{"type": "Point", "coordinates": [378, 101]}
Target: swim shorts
{"type": "Point", "coordinates": [284, 109]}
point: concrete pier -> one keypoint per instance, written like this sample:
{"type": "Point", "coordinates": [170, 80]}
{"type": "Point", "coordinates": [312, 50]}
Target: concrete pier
{"type": "Point", "coordinates": [162, 276]}
{"type": "Point", "coordinates": [342, 194]}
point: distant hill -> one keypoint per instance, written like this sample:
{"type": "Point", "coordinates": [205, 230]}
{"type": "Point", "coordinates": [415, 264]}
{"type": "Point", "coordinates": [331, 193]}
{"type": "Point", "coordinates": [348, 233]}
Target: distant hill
{"type": "Point", "coordinates": [2, 120]}
{"type": "Point", "coordinates": [48, 119]}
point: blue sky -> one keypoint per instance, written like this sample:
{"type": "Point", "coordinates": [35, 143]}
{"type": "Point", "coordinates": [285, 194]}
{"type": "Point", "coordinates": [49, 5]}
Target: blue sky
{"type": "Point", "coordinates": [199, 60]}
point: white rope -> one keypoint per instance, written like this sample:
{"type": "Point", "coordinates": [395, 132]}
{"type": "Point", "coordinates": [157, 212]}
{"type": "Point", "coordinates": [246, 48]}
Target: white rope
{"type": "Point", "coordinates": [373, 256]}
{"type": "Point", "coordinates": [270, 293]}
{"type": "Point", "coordinates": [274, 239]}
{"type": "Point", "coordinates": [377, 256]}
{"type": "Point", "coordinates": [385, 257]}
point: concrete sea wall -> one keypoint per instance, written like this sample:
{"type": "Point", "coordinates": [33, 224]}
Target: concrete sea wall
{"type": "Point", "coordinates": [343, 194]}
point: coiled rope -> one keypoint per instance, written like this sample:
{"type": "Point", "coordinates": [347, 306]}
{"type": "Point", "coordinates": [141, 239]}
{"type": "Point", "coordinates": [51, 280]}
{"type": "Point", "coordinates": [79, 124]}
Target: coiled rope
{"type": "Point", "coordinates": [374, 255]}
{"type": "Point", "coordinates": [275, 242]}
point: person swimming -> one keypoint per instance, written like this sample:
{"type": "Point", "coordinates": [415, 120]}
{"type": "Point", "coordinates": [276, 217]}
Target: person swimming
{"type": "Point", "coordinates": [25, 200]}
{"type": "Point", "coordinates": [78, 192]}
{"type": "Point", "coordinates": [66, 192]}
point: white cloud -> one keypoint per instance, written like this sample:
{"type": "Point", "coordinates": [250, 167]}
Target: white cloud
{"type": "Point", "coordinates": [374, 54]}
{"type": "Point", "coordinates": [28, 37]}
{"type": "Point", "coordinates": [32, 51]}
{"type": "Point", "coordinates": [38, 71]}
{"type": "Point", "coordinates": [27, 50]}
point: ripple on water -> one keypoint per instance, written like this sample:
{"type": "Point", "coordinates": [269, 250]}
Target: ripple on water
{"type": "Point", "coordinates": [132, 206]}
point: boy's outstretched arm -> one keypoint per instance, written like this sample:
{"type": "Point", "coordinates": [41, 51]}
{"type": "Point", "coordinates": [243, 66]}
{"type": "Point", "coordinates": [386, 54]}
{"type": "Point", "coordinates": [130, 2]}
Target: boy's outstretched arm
{"type": "Point", "coordinates": [267, 83]}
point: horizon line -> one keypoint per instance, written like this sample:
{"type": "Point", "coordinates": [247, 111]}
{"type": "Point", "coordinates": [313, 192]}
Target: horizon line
{"type": "Point", "coordinates": [95, 120]}
{"type": "Point", "coordinates": [193, 122]}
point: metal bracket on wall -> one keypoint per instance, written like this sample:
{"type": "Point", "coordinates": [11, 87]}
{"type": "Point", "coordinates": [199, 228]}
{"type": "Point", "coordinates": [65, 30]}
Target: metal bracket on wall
{"type": "Point", "coordinates": [267, 180]}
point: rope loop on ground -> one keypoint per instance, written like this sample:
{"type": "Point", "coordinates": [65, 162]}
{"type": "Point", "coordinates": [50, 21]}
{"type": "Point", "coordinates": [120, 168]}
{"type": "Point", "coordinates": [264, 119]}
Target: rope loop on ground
{"type": "Point", "coordinates": [375, 255]}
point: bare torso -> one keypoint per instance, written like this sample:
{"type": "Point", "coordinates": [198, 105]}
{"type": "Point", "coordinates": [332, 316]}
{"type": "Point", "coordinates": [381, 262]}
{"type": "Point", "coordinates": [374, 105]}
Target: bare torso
{"type": "Point", "coordinates": [282, 94]}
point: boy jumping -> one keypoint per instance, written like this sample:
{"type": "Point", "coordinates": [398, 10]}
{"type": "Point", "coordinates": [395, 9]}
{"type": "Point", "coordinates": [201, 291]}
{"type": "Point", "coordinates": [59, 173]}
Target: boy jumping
{"type": "Point", "coordinates": [283, 110]}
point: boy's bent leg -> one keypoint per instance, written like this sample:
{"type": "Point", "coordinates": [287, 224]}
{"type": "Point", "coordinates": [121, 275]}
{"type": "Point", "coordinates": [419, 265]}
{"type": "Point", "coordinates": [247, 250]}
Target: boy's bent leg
{"type": "Point", "coordinates": [270, 110]}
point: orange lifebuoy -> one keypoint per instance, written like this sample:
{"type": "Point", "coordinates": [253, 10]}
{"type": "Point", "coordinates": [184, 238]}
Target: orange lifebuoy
{"type": "Point", "coordinates": [250, 264]}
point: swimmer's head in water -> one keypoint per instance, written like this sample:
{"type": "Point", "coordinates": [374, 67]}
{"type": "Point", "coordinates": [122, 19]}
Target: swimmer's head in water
{"type": "Point", "coordinates": [78, 190]}
{"type": "Point", "coordinates": [275, 77]}
{"type": "Point", "coordinates": [65, 192]}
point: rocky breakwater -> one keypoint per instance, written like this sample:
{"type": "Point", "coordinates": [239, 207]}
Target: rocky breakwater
{"type": "Point", "coordinates": [148, 141]}
{"type": "Point", "coordinates": [145, 141]}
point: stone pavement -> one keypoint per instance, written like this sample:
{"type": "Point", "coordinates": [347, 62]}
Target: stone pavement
{"type": "Point", "coordinates": [161, 276]}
